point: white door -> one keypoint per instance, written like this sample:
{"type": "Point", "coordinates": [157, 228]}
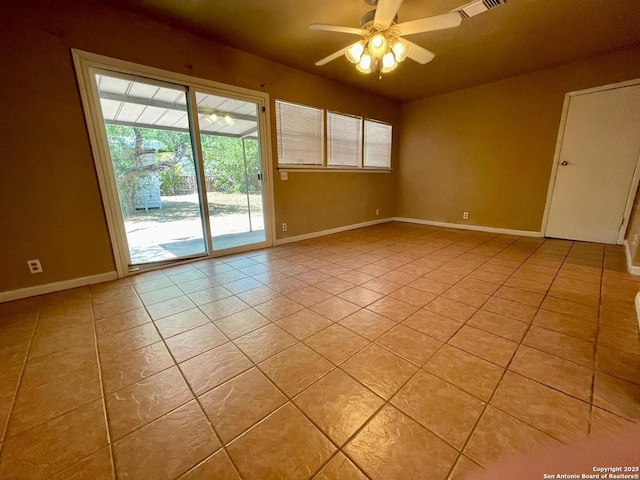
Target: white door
{"type": "Point", "coordinates": [596, 166]}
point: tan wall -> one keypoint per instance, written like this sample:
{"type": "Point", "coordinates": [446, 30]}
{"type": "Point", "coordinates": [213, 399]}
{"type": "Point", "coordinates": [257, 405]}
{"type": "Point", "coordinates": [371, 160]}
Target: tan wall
{"type": "Point", "coordinates": [311, 201]}
{"type": "Point", "coordinates": [489, 149]}
{"type": "Point", "coordinates": [50, 205]}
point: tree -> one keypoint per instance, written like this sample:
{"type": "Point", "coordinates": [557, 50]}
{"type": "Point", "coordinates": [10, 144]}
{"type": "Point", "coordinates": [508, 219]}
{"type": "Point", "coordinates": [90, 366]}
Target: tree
{"type": "Point", "coordinates": [172, 158]}
{"type": "Point", "coordinates": [130, 148]}
{"type": "Point", "coordinates": [224, 163]}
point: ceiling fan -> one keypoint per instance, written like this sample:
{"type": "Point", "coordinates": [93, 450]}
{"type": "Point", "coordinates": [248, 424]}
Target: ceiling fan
{"type": "Point", "coordinates": [382, 45]}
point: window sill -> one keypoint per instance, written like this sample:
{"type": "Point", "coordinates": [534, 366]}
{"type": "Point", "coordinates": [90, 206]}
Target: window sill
{"type": "Point", "coordinates": [333, 170]}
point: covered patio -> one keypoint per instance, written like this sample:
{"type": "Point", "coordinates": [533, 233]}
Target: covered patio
{"type": "Point", "coordinates": [153, 144]}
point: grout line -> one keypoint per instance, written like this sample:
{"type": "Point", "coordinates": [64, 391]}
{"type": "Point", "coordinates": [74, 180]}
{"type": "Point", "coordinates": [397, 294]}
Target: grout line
{"type": "Point", "coordinates": [62, 414]}
{"type": "Point", "coordinates": [4, 437]}
{"type": "Point", "coordinates": [195, 397]}
{"type": "Point", "coordinates": [339, 449]}
{"type": "Point", "coordinates": [82, 406]}
{"type": "Point", "coordinates": [421, 368]}
{"type": "Point", "coordinates": [388, 402]}
{"type": "Point", "coordinates": [286, 396]}
{"type": "Point", "coordinates": [418, 370]}
{"type": "Point", "coordinates": [504, 372]}
{"type": "Point", "coordinates": [446, 240]}
{"type": "Point", "coordinates": [114, 473]}
{"type": "Point", "coordinates": [290, 399]}
{"type": "Point", "coordinates": [520, 343]}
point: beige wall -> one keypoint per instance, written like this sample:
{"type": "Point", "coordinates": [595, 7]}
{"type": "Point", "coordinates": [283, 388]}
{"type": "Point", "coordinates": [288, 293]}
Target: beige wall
{"type": "Point", "coordinates": [489, 149]}
{"type": "Point", "coordinates": [50, 205]}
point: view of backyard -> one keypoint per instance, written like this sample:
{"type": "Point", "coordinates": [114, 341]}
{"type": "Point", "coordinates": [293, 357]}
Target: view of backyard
{"type": "Point", "coordinates": [157, 186]}
{"type": "Point", "coordinates": [175, 230]}
{"type": "Point", "coordinates": [160, 164]}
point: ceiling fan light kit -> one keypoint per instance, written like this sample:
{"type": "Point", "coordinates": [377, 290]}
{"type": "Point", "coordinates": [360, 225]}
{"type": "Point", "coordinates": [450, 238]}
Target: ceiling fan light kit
{"type": "Point", "coordinates": [400, 50]}
{"type": "Point", "coordinates": [354, 52]}
{"type": "Point", "coordinates": [379, 51]}
{"type": "Point", "coordinates": [381, 48]}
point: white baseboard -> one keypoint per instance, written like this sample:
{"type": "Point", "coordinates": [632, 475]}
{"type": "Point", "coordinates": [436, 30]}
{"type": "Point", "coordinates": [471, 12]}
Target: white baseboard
{"type": "Point", "coordinates": [478, 228]}
{"type": "Point", "coordinates": [631, 268]}
{"type": "Point", "coordinates": [638, 308]}
{"type": "Point", "coordinates": [321, 233]}
{"type": "Point", "coordinates": [56, 286]}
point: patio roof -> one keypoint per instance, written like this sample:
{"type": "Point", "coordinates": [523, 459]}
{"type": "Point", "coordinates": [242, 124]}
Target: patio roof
{"type": "Point", "coordinates": [135, 104]}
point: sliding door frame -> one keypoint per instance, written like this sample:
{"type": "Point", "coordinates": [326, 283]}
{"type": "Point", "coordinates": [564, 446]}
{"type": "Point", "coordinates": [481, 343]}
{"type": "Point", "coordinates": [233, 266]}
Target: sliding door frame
{"type": "Point", "coordinates": [86, 65]}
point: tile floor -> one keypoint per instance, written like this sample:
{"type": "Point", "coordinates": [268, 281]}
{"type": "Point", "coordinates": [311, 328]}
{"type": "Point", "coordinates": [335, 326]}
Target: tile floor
{"type": "Point", "coordinates": [392, 352]}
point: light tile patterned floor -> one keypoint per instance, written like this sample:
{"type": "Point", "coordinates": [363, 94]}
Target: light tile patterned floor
{"type": "Point", "coordinates": [392, 352]}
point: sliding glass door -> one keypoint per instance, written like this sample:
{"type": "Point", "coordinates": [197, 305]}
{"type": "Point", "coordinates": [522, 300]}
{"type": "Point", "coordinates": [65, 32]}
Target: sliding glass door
{"type": "Point", "coordinates": [180, 167]}
{"type": "Point", "coordinates": [152, 154]}
{"type": "Point", "coordinates": [230, 144]}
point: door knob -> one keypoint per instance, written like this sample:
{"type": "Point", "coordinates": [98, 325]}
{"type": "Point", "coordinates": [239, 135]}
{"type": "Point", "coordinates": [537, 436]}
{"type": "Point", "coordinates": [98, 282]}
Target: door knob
{"type": "Point", "coordinates": [565, 163]}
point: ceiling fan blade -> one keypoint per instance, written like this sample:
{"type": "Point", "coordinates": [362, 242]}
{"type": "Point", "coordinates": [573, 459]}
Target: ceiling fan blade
{"type": "Point", "coordinates": [429, 24]}
{"type": "Point", "coordinates": [385, 12]}
{"type": "Point", "coordinates": [332, 57]}
{"type": "Point", "coordinates": [419, 54]}
{"type": "Point", "coordinates": [336, 28]}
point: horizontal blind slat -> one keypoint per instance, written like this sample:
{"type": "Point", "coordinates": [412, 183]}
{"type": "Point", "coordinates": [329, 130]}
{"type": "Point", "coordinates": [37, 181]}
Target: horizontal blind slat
{"type": "Point", "coordinates": [377, 149]}
{"type": "Point", "coordinates": [344, 140]}
{"type": "Point", "coordinates": [299, 134]}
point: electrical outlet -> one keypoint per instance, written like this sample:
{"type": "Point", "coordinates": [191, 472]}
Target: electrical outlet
{"type": "Point", "coordinates": [284, 227]}
{"type": "Point", "coordinates": [34, 266]}
{"type": "Point", "coordinates": [284, 175]}
{"type": "Point", "coordinates": [465, 215]}
{"type": "Point", "coordinates": [377, 211]}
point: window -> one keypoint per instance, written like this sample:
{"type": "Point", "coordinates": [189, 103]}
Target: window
{"type": "Point", "coordinates": [377, 144]}
{"type": "Point", "coordinates": [344, 140]}
{"type": "Point", "coordinates": [352, 142]}
{"type": "Point", "coordinates": [300, 134]}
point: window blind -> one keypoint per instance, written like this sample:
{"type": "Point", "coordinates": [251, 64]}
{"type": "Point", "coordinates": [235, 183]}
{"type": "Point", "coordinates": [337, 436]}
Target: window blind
{"type": "Point", "coordinates": [344, 140]}
{"type": "Point", "coordinates": [377, 144]}
{"type": "Point", "coordinates": [300, 134]}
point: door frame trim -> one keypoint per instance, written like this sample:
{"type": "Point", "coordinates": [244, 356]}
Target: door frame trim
{"type": "Point", "coordinates": [84, 63]}
{"type": "Point", "coordinates": [556, 157]}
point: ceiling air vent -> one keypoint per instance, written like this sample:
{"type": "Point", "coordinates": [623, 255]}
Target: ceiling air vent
{"type": "Point", "coordinates": [477, 7]}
